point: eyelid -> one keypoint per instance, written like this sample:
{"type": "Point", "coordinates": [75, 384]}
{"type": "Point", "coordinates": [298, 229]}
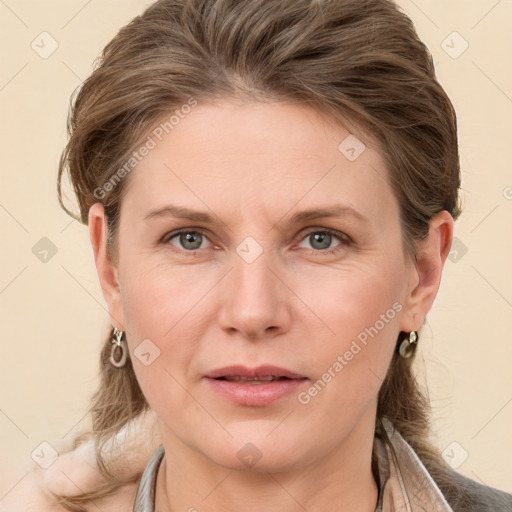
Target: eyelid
{"type": "Point", "coordinates": [340, 235]}
{"type": "Point", "coordinates": [173, 234]}
{"type": "Point", "coordinates": [334, 232]}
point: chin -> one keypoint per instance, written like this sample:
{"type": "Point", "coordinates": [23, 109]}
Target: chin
{"type": "Point", "coordinates": [256, 453]}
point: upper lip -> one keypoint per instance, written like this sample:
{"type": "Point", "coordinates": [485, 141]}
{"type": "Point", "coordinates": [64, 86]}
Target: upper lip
{"type": "Point", "coordinates": [259, 371]}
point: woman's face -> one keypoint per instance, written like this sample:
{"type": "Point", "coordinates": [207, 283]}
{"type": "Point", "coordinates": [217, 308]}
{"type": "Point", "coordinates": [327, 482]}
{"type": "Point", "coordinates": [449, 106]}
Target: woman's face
{"type": "Point", "coordinates": [253, 280]}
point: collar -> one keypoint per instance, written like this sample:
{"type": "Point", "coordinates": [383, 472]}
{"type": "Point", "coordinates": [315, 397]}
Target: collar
{"type": "Point", "coordinates": [405, 485]}
{"type": "Point", "coordinates": [403, 481]}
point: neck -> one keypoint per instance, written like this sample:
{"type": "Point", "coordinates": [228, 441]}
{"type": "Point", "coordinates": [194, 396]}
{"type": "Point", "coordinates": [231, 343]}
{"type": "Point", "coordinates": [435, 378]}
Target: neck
{"type": "Point", "coordinates": [342, 481]}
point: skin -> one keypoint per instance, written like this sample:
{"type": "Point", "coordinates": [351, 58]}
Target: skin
{"type": "Point", "coordinates": [252, 166]}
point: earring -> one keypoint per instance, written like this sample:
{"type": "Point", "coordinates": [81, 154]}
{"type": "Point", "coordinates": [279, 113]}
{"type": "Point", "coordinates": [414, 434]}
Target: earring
{"type": "Point", "coordinates": [119, 352]}
{"type": "Point", "coordinates": [408, 345]}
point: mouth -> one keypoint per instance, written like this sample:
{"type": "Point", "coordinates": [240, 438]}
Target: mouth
{"type": "Point", "coordinates": [264, 373]}
{"type": "Point", "coordinates": [253, 380]}
{"type": "Point", "coordinates": [254, 386]}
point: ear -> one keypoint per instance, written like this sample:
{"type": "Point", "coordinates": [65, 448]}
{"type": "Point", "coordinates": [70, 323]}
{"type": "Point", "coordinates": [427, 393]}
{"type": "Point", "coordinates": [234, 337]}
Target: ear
{"type": "Point", "coordinates": [425, 273]}
{"type": "Point", "coordinates": [105, 267]}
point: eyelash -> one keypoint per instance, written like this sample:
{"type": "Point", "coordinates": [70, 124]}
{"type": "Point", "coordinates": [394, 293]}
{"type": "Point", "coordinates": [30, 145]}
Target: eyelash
{"type": "Point", "coordinates": [342, 237]}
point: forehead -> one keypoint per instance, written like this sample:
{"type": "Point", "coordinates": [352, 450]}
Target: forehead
{"type": "Point", "coordinates": [238, 156]}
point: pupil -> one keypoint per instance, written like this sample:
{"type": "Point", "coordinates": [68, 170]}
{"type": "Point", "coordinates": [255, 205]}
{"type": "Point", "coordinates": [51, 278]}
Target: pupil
{"type": "Point", "coordinates": [323, 238]}
{"type": "Point", "coordinates": [188, 238]}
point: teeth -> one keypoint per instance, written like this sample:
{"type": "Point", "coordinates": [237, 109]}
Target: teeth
{"type": "Point", "coordinates": [251, 379]}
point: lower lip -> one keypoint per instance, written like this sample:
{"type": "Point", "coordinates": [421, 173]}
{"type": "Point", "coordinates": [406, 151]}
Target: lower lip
{"type": "Point", "coordinates": [256, 394]}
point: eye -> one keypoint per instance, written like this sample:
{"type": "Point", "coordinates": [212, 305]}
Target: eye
{"type": "Point", "coordinates": [188, 240]}
{"type": "Point", "coordinates": [321, 240]}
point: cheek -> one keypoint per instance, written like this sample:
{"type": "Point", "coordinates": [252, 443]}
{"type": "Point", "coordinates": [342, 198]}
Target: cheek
{"type": "Point", "coordinates": [350, 301]}
{"type": "Point", "coordinates": [157, 298]}
{"type": "Point", "coordinates": [360, 314]}
{"type": "Point", "coordinates": [163, 311]}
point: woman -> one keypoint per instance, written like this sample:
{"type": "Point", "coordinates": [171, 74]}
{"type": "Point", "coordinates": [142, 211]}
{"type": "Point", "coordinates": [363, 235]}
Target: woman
{"type": "Point", "coordinates": [270, 189]}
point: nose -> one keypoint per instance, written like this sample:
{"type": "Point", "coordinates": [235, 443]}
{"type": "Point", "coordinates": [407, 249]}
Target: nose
{"type": "Point", "coordinates": [254, 300]}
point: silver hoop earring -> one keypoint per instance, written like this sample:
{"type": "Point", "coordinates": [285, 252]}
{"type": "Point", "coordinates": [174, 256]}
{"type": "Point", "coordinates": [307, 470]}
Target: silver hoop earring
{"type": "Point", "coordinates": [119, 351]}
{"type": "Point", "coordinates": [408, 345]}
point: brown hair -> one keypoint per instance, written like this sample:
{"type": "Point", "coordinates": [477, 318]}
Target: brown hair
{"type": "Point", "coordinates": [360, 61]}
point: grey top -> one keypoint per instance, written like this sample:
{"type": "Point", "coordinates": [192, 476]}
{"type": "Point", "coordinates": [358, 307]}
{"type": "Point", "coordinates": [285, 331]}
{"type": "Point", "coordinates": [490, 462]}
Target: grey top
{"type": "Point", "coordinates": [145, 499]}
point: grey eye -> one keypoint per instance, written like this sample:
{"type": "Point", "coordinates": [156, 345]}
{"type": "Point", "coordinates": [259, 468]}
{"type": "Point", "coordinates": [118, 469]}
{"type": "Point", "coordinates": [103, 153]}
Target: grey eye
{"type": "Point", "coordinates": [189, 240]}
{"type": "Point", "coordinates": [320, 240]}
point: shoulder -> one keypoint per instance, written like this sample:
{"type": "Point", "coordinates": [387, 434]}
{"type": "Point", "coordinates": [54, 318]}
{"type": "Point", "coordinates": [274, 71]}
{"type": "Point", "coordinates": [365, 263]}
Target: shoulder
{"type": "Point", "coordinates": [75, 472]}
{"type": "Point", "coordinates": [72, 472]}
{"type": "Point", "coordinates": [476, 497]}
{"type": "Point", "coordinates": [461, 492]}
{"type": "Point", "coordinates": [30, 495]}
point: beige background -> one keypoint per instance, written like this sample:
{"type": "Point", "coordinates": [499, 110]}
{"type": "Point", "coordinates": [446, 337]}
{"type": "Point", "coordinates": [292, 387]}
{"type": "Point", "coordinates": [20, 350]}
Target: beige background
{"type": "Point", "coordinates": [53, 314]}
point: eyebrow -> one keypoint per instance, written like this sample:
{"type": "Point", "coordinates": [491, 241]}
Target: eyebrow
{"type": "Point", "coordinates": [180, 213]}
{"type": "Point", "coordinates": [303, 216]}
{"type": "Point", "coordinates": [334, 211]}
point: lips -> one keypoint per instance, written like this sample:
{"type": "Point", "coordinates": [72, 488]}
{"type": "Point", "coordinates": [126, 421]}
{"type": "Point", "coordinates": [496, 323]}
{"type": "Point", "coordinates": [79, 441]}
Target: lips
{"type": "Point", "coordinates": [266, 373]}
{"type": "Point", "coordinates": [254, 387]}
